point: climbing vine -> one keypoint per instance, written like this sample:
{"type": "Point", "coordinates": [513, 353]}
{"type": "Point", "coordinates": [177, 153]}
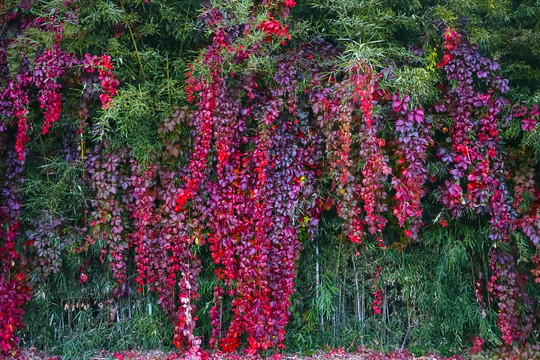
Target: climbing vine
{"type": "Point", "coordinates": [274, 134]}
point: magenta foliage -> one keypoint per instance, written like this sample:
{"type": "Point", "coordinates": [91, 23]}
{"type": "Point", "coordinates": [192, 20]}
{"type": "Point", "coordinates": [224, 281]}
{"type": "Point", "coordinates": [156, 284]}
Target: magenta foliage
{"type": "Point", "coordinates": [511, 291]}
{"type": "Point", "coordinates": [253, 212]}
{"type": "Point", "coordinates": [49, 66]}
{"type": "Point", "coordinates": [473, 157]}
{"type": "Point", "coordinates": [107, 218]}
{"type": "Point", "coordinates": [376, 169]}
{"type": "Point", "coordinates": [14, 102]}
{"type": "Point", "coordinates": [377, 292]}
{"type": "Point", "coordinates": [14, 290]}
{"type": "Point", "coordinates": [48, 239]}
{"type": "Point", "coordinates": [47, 70]}
{"type": "Point", "coordinates": [530, 116]}
{"type": "Point", "coordinates": [108, 80]}
{"type": "Point", "coordinates": [413, 140]}
{"type": "Point", "coordinates": [349, 104]}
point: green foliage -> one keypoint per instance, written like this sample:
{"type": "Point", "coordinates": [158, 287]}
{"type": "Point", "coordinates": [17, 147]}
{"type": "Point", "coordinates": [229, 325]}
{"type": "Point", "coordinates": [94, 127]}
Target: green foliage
{"type": "Point", "coordinates": [428, 298]}
{"type": "Point", "coordinates": [74, 320]}
{"type": "Point", "coordinates": [150, 45]}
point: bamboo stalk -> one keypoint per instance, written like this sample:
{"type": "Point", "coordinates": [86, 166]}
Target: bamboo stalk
{"type": "Point", "coordinates": [317, 277]}
{"type": "Point", "coordinates": [357, 291]}
{"type": "Point", "coordinates": [343, 318]}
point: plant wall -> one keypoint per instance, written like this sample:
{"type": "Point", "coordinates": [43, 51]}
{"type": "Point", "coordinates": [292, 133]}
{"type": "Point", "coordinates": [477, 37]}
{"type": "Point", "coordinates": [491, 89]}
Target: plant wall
{"type": "Point", "coordinates": [238, 175]}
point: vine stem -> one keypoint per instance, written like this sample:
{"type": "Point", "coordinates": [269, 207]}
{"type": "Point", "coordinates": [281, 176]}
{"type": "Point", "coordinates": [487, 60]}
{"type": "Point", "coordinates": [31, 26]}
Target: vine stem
{"type": "Point", "coordinates": [168, 81]}
{"type": "Point", "coordinates": [134, 42]}
{"type": "Point", "coordinates": [82, 154]}
{"type": "Point", "coordinates": [136, 49]}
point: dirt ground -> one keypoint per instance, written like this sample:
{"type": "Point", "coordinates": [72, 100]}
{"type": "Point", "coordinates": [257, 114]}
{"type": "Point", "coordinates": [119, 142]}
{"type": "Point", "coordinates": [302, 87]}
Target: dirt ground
{"type": "Point", "coordinates": [32, 354]}
{"type": "Point", "coordinates": [528, 352]}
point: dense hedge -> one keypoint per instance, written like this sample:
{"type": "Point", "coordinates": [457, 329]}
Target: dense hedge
{"type": "Point", "coordinates": [239, 175]}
